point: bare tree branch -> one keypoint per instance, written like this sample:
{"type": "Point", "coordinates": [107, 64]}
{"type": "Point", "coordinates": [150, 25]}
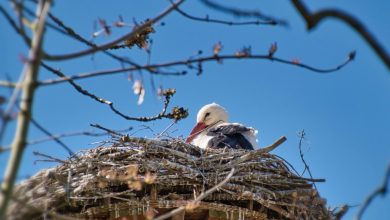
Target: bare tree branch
{"type": "Point", "coordinates": [49, 134]}
{"type": "Point", "coordinates": [242, 13]}
{"type": "Point", "coordinates": [301, 138]}
{"type": "Point", "coordinates": [31, 73]}
{"type": "Point", "coordinates": [13, 24]}
{"type": "Point", "coordinates": [381, 190]}
{"type": "Point", "coordinates": [312, 19]}
{"type": "Point", "coordinates": [193, 61]}
{"type": "Point", "coordinates": [106, 46]}
{"type": "Point", "coordinates": [70, 32]}
{"type": "Point", "coordinates": [230, 23]}
{"type": "Point", "coordinates": [177, 113]}
{"type": "Point", "coordinates": [64, 135]}
{"type": "Point", "coordinates": [50, 158]}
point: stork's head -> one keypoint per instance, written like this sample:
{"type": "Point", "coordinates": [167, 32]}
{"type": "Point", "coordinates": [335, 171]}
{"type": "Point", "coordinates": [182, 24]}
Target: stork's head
{"type": "Point", "coordinates": [208, 116]}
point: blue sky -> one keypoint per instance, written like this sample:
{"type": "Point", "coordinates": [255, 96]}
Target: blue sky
{"type": "Point", "coordinates": [345, 114]}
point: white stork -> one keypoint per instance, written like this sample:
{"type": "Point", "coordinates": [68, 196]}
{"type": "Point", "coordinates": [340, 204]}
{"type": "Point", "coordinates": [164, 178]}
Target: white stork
{"type": "Point", "coordinates": [213, 130]}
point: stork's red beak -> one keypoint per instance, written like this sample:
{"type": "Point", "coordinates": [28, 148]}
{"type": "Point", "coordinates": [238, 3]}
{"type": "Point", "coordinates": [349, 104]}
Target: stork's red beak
{"type": "Point", "coordinates": [195, 131]}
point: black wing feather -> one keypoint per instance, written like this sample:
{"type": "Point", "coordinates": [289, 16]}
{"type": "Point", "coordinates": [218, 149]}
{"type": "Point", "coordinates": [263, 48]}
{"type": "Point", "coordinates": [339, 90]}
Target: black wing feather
{"type": "Point", "coordinates": [227, 130]}
{"type": "Point", "coordinates": [229, 136]}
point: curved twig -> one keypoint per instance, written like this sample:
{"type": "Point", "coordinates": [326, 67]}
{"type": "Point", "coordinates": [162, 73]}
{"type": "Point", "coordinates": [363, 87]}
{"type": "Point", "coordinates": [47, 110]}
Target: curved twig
{"type": "Point", "coordinates": [230, 23]}
{"type": "Point", "coordinates": [381, 190]}
{"type": "Point", "coordinates": [241, 13]}
{"type": "Point", "coordinates": [177, 113]}
{"type": "Point", "coordinates": [194, 61]}
{"type": "Point", "coordinates": [108, 45]}
{"type": "Point", "coordinates": [312, 19]}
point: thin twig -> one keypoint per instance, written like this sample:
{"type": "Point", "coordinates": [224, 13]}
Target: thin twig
{"type": "Point", "coordinates": [242, 12]}
{"type": "Point", "coordinates": [301, 138]}
{"type": "Point", "coordinates": [230, 23]}
{"type": "Point", "coordinates": [77, 133]}
{"type": "Point", "coordinates": [70, 32]}
{"type": "Point", "coordinates": [193, 203]}
{"type": "Point", "coordinates": [255, 153]}
{"type": "Point", "coordinates": [112, 132]}
{"type": "Point", "coordinates": [177, 113]}
{"type": "Point", "coordinates": [192, 61]}
{"type": "Point", "coordinates": [63, 135]}
{"type": "Point", "coordinates": [36, 153]}
{"type": "Point", "coordinates": [49, 134]}
{"type": "Point", "coordinates": [312, 19]}
{"type": "Point", "coordinates": [106, 46]}
{"type": "Point", "coordinates": [13, 24]}
{"type": "Point", "coordinates": [381, 190]}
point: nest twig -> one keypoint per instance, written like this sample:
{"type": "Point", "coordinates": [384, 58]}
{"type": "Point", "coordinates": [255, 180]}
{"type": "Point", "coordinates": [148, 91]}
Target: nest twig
{"type": "Point", "coordinates": [147, 178]}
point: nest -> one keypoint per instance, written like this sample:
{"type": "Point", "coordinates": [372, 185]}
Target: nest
{"type": "Point", "coordinates": [136, 178]}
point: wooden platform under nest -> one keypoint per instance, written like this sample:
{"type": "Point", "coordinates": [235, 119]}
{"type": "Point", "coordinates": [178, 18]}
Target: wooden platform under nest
{"type": "Point", "coordinates": [138, 178]}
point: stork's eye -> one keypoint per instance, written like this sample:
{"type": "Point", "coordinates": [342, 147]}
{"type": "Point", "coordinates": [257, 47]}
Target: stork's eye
{"type": "Point", "coordinates": [206, 115]}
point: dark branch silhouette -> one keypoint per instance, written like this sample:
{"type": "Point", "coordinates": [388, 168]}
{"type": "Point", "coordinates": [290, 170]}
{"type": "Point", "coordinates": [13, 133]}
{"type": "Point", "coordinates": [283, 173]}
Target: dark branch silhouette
{"type": "Point", "coordinates": [230, 23]}
{"type": "Point", "coordinates": [381, 190]}
{"type": "Point", "coordinates": [187, 63]}
{"type": "Point", "coordinates": [312, 19]}
{"type": "Point", "coordinates": [242, 12]}
{"type": "Point", "coordinates": [108, 45]}
{"type": "Point", "coordinates": [177, 113]}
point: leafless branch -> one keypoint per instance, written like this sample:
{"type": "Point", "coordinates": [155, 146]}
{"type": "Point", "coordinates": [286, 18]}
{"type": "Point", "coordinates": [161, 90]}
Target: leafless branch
{"type": "Point", "coordinates": [51, 158]}
{"type": "Point", "coordinates": [6, 116]}
{"type": "Point", "coordinates": [49, 134]}
{"type": "Point", "coordinates": [13, 24]}
{"type": "Point", "coordinates": [70, 32]}
{"type": "Point", "coordinates": [31, 73]}
{"type": "Point", "coordinates": [108, 45]}
{"type": "Point", "coordinates": [381, 190]}
{"type": "Point", "coordinates": [189, 62]}
{"type": "Point", "coordinates": [194, 203]}
{"type": "Point", "coordinates": [242, 12]}
{"type": "Point", "coordinates": [340, 212]}
{"type": "Point", "coordinates": [64, 135]}
{"type": "Point", "coordinates": [77, 133]}
{"type": "Point", "coordinates": [230, 23]}
{"type": "Point", "coordinates": [109, 131]}
{"type": "Point", "coordinates": [301, 138]}
{"type": "Point", "coordinates": [177, 113]}
{"type": "Point", "coordinates": [256, 153]}
{"type": "Point", "coordinates": [312, 19]}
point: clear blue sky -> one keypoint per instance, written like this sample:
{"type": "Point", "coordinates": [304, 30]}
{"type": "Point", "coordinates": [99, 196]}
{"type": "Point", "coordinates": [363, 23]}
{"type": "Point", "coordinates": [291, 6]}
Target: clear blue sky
{"type": "Point", "coordinates": [345, 114]}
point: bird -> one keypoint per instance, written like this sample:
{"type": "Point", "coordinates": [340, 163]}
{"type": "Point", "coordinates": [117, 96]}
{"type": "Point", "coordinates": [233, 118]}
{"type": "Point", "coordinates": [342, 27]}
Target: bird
{"type": "Point", "coordinates": [212, 130]}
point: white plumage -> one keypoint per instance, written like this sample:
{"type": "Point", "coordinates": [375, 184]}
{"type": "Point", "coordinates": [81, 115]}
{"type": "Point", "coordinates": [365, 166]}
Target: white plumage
{"type": "Point", "coordinates": [213, 130]}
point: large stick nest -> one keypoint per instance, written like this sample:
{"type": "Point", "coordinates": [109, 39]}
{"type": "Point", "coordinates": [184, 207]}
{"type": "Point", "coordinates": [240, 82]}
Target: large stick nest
{"type": "Point", "coordinates": [142, 178]}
